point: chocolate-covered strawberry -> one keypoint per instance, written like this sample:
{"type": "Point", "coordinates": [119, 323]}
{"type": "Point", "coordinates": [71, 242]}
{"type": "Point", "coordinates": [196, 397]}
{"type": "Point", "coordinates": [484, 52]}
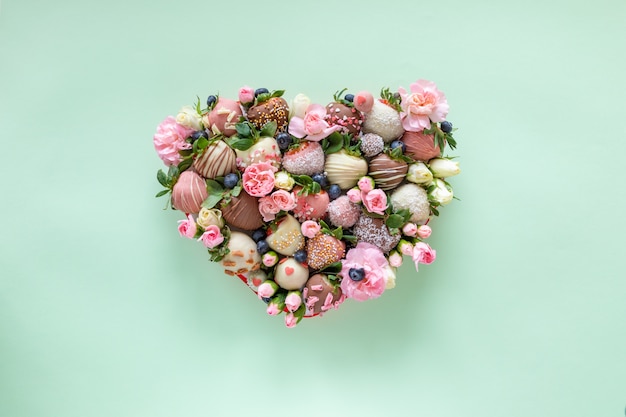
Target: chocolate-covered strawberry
{"type": "Point", "coordinates": [307, 158]}
{"type": "Point", "coordinates": [323, 250]}
{"type": "Point", "coordinates": [342, 113]}
{"type": "Point", "coordinates": [387, 172]}
{"type": "Point", "coordinates": [269, 107]}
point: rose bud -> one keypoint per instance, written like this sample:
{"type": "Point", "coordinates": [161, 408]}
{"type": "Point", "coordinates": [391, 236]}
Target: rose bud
{"type": "Point", "coordinates": [267, 289]}
{"type": "Point", "coordinates": [270, 258]}
{"type": "Point", "coordinates": [424, 231]}
{"type": "Point", "coordinates": [443, 168]}
{"type": "Point", "coordinates": [442, 193]}
{"type": "Point", "coordinates": [419, 173]}
{"type": "Point", "coordinates": [276, 304]}
{"type": "Point", "coordinates": [406, 248]}
{"type": "Point", "coordinates": [293, 300]}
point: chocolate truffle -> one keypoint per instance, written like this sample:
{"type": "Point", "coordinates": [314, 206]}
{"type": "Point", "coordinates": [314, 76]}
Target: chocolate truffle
{"type": "Point", "coordinates": [374, 231]}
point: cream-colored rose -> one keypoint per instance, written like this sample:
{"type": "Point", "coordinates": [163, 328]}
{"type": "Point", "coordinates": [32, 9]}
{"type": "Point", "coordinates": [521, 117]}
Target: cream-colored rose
{"type": "Point", "coordinates": [283, 180]}
{"type": "Point", "coordinates": [419, 174]}
{"type": "Point", "coordinates": [208, 217]}
{"type": "Point", "coordinates": [189, 117]}
{"type": "Point", "coordinates": [391, 277]}
{"type": "Point", "coordinates": [444, 168]}
{"type": "Point", "coordinates": [299, 105]}
{"type": "Point", "coordinates": [442, 193]}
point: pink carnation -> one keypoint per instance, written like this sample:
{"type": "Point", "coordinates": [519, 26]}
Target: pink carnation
{"type": "Point", "coordinates": [246, 94]}
{"type": "Point", "coordinates": [423, 254]}
{"type": "Point", "coordinates": [310, 228]}
{"type": "Point", "coordinates": [211, 237]}
{"type": "Point", "coordinates": [258, 179]}
{"type": "Point", "coordinates": [410, 229]}
{"type": "Point", "coordinates": [187, 228]}
{"type": "Point", "coordinates": [284, 200]}
{"type": "Point", "coordinates": [169, 139]}
{"type": "Point", "coordinates": [424, 104]}
{"type": "Point", "coordinates": [268, 208]}
{"type": "Point", "coordinates": [376, 268]}
{"type": "Point", "coordinates": [375, 201]}
{"type": "Point", "coordinates": [312, 126]}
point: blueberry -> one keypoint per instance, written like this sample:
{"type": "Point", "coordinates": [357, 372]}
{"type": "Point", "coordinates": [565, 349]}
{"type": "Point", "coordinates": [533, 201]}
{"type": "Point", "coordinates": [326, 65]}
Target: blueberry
{"type": "Point", "coordinates": [259, 91]}
{"type": "Point", "coordinates": [300, 256]}
{"type": "Point", "coordinates": [284, 140]}
{"type": "Point", "coordinates": [211, 100]}
{"type": "Point", "coordinates": [320, 179]}
{"type": "Point", "coordinates": [397, 96]}
{"type": "Point", "coordinates": [446, 126]}
{"type": "Point", "coordinates": [262, 246]}
{"type": "Point", "coordinates": [398, 144]}
{"type": "Point", "coordinates": [258, 234]}
{"type": "Point", "coordinates": [356, 274]}
{"type": "Point", "coordinates": [199, 134]}
{"type": "Point", "coordinates": [334, 191]}
{"type": "Point", "coordinates": [231, 180]}
{"type": "Point", "coordinates": [266, 300]}
{"type": "Point", "coordinates": [349, 97]}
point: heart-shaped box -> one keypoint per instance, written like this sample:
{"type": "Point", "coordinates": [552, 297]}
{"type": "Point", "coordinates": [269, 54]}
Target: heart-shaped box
{"type": "Point", "coordinates": [310, 205]}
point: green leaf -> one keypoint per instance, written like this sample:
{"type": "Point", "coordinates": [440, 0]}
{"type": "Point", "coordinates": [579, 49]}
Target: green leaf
{"type": "Point", "coordinates": [212, 200]}
{"type": "Point", "coordinates": [263, 97]}
{"type": "Point", "coordinates": [395, 221]}
{"type": "Point", "coordinates": [242, 144]}
{"type": "Point", "coordinates": [243, 129]}
{"type": "Point", "coordinates": [162, 178]}
{"type": "Point", "coordinates": [334, 143]}
{"type": "Point", "coordinates": [214, 187]}
{"type": "Point", "coordinates": [269, 129]}
{"type": "Point", "coordinates": [236, 190]}
{"type": "Point", "coordinates": [162, 193]}
{"type": "Point", "coordinates": [277, 93]}
{"type": "Point", "coordinates": [334, 267]}
{"type": "Point", "coordinates": [396, 153]}
{"type": "Point", "coordinates": [185, 164]}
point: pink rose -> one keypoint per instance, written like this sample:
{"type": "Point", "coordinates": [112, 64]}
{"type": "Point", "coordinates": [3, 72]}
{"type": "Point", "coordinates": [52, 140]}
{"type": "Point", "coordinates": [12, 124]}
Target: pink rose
{"type": "Point", "coordinates": [284, 200]}
{"type": "Point", "coordinates": [211, 236]}
{"type": "Point", "coordinates": [293, 301]}
{"type": "Point", "coordinates": [313, 126]}
{"type": "Point", "coordinates": [290, 320]}
{"type": "Point", "coordinates": [354, 195]}
{"type": "Point", "coordinates": [425, 104]}
{"type": "Point", "coordinates": [310, 228]}
{"type": "Point", "coordinates": [375, 266]}
{"type": "Point", "coordinates": [272, 309]}
{"type": "Point", "coordinates": [423, 254]}
{"type": "Point", "coordinates": [169, 139]}
{"type": "Point", "coordinates": [267, 289]}
{"type": "Point", "coordinates": [406, 248]}
{"type": "Point", "coordinates": [246, 94]}
{"type": "Point", "coordinates": [258, 179]}
{"type": "Point", "coordinates": [410, 229]}
{"type": "Point", "coordinates": [375, 201]}
{"type": "Point", "coordinates": [366, 184]}
{"type": "Point", "coordinates": [268, 208]}
{"type": "Point", "coordinates": [424, 231]}
{"type": "Point", "coordinates": [395, 259]}
{"type": "Point", "coordinates": [187, 228]}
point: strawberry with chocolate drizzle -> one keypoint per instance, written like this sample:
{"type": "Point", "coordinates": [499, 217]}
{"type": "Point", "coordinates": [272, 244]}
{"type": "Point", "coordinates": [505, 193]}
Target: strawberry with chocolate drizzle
{"type": "Point", "coordinates": [269, 107]}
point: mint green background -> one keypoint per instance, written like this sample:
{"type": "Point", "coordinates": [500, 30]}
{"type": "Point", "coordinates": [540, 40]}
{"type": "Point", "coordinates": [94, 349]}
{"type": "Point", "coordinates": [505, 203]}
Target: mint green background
{"type": "Point", "coordinates": [105, 311]}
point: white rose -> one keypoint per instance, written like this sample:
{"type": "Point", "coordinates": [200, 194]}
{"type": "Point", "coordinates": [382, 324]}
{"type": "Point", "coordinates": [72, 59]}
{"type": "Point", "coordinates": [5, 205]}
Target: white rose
{"type": "Point", "coordinates": [419, 173]}
{"type": "Point", "coordinates": [442, 193]}
{"type": "Point", "coordinates": [208, 217]}
{"type": "Point", "coordinates": [444, 168]}
{"type": "Point", "coordinates": [283, 180]}
{"type": "Point", "coordinates": [299, 105]}
{"type": "Point", "coordinates": [189, 117]}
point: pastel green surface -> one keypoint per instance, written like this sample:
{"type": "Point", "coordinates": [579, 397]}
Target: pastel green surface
{"type": "Point", "coordinates": [105, 311]}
